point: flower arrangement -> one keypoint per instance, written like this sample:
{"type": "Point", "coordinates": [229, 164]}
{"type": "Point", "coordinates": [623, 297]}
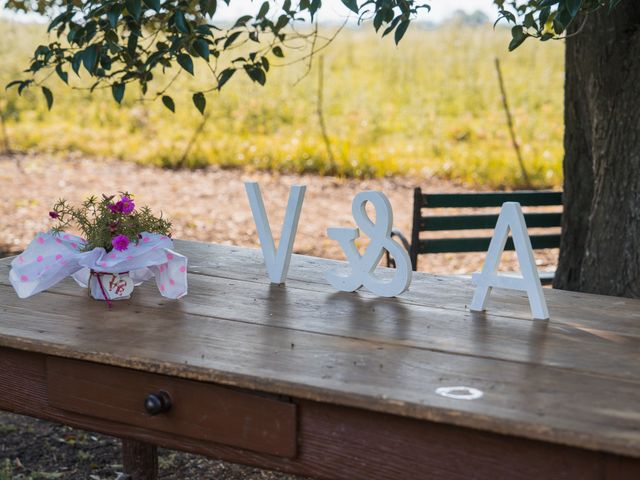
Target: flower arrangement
{"type": "Point", "coordinates": [108, 223]}
{"type": "Point", "coordinates": [121, 246]}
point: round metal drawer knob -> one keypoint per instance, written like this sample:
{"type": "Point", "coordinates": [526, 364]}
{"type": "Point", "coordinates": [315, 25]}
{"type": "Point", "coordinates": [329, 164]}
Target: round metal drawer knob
{"type": "Point", "coordinates": [156, 403]}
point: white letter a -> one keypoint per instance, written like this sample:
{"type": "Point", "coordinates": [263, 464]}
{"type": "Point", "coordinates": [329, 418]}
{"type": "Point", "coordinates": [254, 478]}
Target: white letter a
{"type": "Point", "coordinates": [277, 262]}
{"type": "Point", "coordinates": [510, 217]}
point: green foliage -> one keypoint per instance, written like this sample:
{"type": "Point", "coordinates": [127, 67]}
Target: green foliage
{"type": "Point", "coordinates": [99, 221]}
{"type": "Point", "coordinates": [545, 19]}
{"type": "Point", "coordinates": [133, 42]}
{"type": "Point", "coordinates": [116, 43]}
{"type": "Point", "coordinates": [431, 107]}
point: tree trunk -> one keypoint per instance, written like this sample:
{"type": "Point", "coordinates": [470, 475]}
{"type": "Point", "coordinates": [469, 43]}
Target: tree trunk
{"type": "Point", "coordinates": [600, 248]}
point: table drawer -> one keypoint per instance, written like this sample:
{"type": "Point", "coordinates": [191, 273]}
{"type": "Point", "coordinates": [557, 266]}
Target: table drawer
{"type": "Point", "coordinates": [198, 410]}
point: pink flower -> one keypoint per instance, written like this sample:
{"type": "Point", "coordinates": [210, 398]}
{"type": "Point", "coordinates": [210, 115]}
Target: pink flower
{"type": "Point", "coordinates": [126, 205]}
{"type": "Point", "coordinates": [120, 243]}
{"type": "Point", "coordinates": [115, 207]}
{"type": "Point", "coordinates": [53, 214]}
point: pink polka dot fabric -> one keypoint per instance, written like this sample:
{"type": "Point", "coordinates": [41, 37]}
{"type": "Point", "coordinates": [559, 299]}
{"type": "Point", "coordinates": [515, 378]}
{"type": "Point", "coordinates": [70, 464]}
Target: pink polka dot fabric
{"type": "Point", "coordinates": [50, 258]}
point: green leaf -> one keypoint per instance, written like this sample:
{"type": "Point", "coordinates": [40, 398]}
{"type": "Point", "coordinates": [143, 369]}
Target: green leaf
{"type": "Point", "coordinates": [181, 23]}
{"type": "Point", "coordinates": [314, 6]}
{"type": "Point", "coordinates": [23, 85]}
{"type": "Point", "coordinates": [134, 7]}
{"type": "Point", "coordinates": [548, 3]}
{"type": "Point", "coordinates": [90, 57]}
{"type": "Point", "coordinates": [168, 102]}
{"type": "Point", "coordinates": [200, 102]}
{"type": "Point", "coordinates": [544, 16]}
{"type": "Point", "coordinates": [518, 37]}
{"type": "Point", "coordinates": [351, 5]}
{"type": "Point", "coordinates": [529, 21]}
{"type": "Point", "coordinates": [264, 9]}
{"type": "Point", "coordinates": [242, 21]}
{"type": "Point", "coordinates": [64, 76]}
{"type": "Point", "coordinates": [282, 22]}
{"type": "Point", "coordinates": [186, 62]}
{"type": "Point", "coordinates": [230, 39]}
{"type": "Point", "coordinates": [202, 47]}
{"type": "Point", "coordinates": [562, 20]}
{"type": "Point", "coordinates": [12, 83]}
{"type": "Point", "coordinates": [57, 21]}
{"type": "Point", "coordinates": [392, 25]}
{"type": "Point", "coordinates": [113, 15]}
{"type": "Point", "coordinates": [48, 96]}
{"type": "Point", "coordinates": [117, 90]}
{"type": "Point", "coordinates": [225, 76]}
{"type": "Point", "coordinates": [76, 61]}
{"type": "Point", "coordinates": [377, 20]}
{"type": "Point", "coordinates": [256, 74]}
{"type": "Point", "coordinates": [132, 43]}
{"type": "Point", "coordinates": [401, 30]}
{"type": "Point", "coordinates": [209, 7]}
{"type": "Point", "coordinates": [277, 51]}
{"type": "Point", "coordinates": [112, 37]}
{"type": "Point", "coordinates": [153, 4]}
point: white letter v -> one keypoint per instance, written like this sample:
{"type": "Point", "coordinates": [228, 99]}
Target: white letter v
{"type": "Point", "coordinates": [277, 262]}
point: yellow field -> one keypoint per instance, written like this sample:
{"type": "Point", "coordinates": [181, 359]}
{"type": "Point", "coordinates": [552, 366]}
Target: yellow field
{"type": "Point", "coordinates": [431, 106]}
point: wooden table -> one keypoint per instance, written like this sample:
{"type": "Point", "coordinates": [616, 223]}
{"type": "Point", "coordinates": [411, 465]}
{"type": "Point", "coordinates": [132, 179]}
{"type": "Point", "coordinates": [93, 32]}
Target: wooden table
{"type": "Point", "coordinates": [303, 379]}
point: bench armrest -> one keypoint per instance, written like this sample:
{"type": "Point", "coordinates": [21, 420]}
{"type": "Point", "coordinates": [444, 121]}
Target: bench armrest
{"type": "Point", "coordinates": [398, 233]}
{"type": "Point", "coordinates": [403, 240]}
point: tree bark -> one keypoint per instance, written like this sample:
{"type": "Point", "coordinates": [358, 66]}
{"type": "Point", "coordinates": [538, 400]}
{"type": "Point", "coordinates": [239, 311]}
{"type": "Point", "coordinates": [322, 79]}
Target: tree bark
{"type": "Point", "coordinates": [600, 248]}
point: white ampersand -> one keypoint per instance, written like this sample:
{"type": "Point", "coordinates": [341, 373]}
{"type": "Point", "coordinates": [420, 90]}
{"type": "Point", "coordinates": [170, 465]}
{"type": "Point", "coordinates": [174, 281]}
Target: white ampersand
{"type": "Point", "coordinates": [363, 266]}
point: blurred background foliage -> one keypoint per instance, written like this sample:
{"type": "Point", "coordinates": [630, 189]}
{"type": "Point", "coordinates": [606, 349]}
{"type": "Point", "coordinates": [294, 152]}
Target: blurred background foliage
{"type": "Point", "coordinates": [431, 106]}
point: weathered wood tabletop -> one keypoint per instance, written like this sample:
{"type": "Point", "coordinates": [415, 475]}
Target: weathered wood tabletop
{"type": "Point", "coordinates": [559, 396]}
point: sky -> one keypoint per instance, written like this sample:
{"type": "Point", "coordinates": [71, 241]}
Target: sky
{"type": "Point", "coordinates": [440, 9]}
{"type": "Point", "coordinates": [334, 10]}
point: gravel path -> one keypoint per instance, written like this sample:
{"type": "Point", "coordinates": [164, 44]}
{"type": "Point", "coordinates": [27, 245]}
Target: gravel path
{"type": "Point", "coordinates": [210, 205]}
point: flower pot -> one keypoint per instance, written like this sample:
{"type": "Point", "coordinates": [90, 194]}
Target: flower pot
{"type": "Point", "coordinates": [110, 286]}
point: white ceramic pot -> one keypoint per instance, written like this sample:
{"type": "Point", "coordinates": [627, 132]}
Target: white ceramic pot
{"type": "Point", "coordinates": [115, 286]}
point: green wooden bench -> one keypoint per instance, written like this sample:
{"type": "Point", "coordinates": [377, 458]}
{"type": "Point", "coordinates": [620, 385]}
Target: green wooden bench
{"type": "Point", "coordinates": [433, 223]}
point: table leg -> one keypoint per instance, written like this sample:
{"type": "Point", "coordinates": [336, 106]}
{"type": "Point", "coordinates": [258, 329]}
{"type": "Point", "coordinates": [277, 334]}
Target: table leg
{"type": "Point", "coordinates": [140, 460]}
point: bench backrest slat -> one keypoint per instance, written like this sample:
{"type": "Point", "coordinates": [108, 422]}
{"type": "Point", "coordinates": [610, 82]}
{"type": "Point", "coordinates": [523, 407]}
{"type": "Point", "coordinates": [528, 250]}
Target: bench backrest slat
{"type": "Point", "coordinates": [481, 244]}
{"type": "Point", "coordinates": [476, 222]}
{"type": "Point", "coordinates": [491, 199]}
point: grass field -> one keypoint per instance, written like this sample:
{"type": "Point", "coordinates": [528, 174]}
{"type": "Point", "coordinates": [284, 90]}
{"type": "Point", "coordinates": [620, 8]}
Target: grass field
{"type": "Point", "coordinates": [431, 106]}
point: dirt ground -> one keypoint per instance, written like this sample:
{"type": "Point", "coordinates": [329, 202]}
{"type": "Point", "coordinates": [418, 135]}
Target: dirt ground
{"type": "Point", "coordinates": [211, 205]}
{"type": "Point", "coordinates": [206, 205]}
{"type": "Point", "coordinates": [32, 449]}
